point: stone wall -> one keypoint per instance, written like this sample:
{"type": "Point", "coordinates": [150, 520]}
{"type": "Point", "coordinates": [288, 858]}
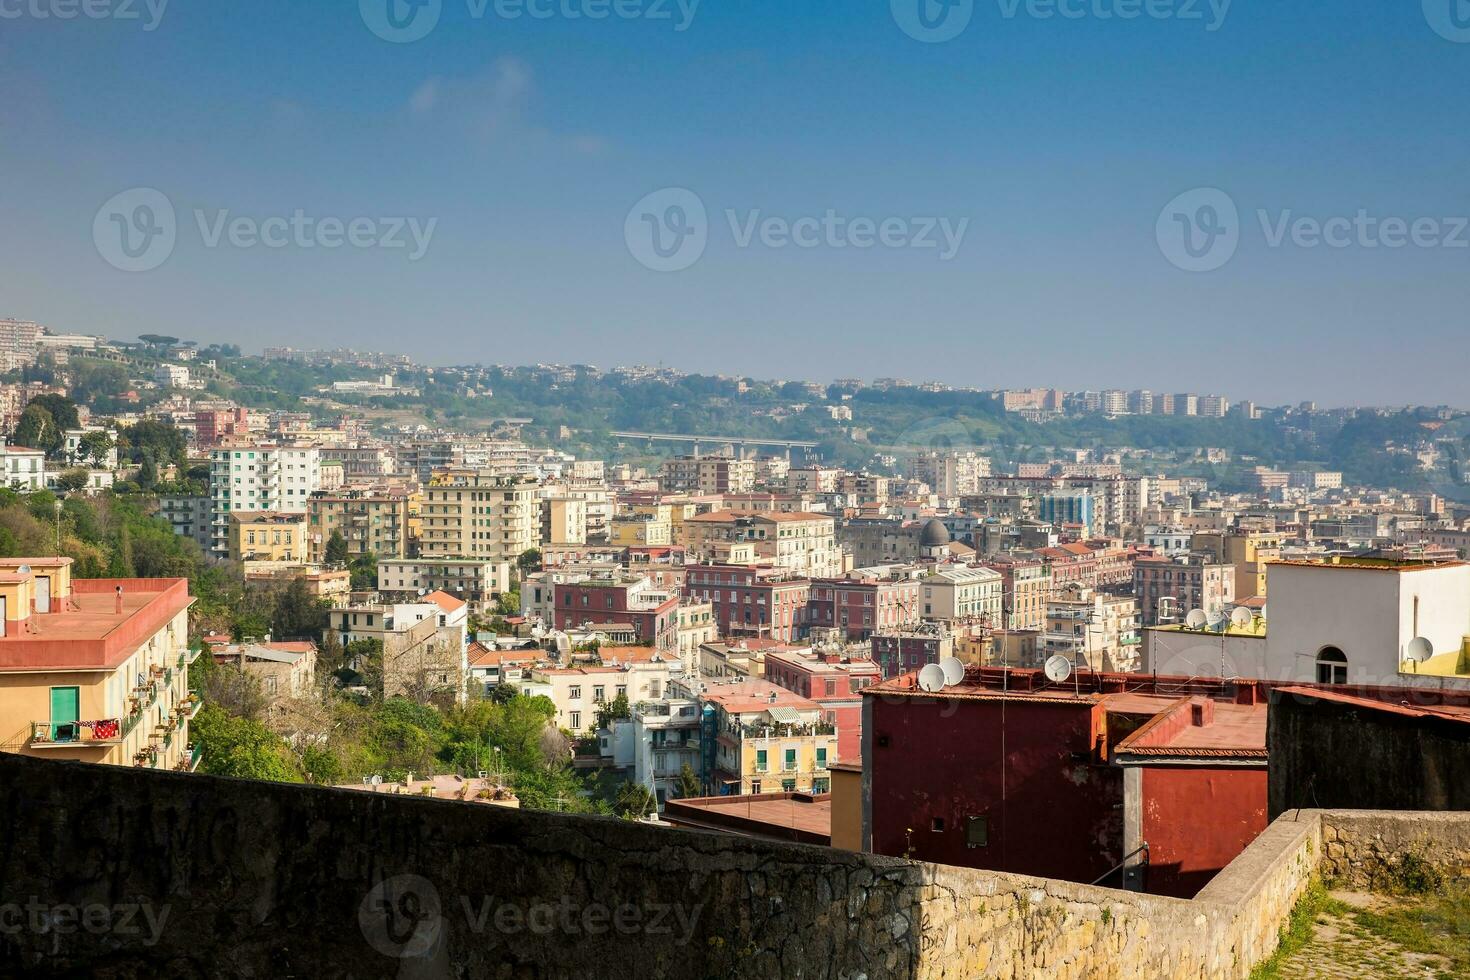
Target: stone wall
{"type": "Point", "coordinates": [144, 873]}
{"type": "Point", "coordinates": [1368, 848]}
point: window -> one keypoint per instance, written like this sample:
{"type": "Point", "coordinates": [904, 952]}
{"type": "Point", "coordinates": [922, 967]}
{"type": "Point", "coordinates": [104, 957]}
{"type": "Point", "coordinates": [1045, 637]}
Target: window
{"type": "Point", "coordinates": [760, 761]}
{"type": "Point", "coordinates": [576, 692]}
{"type": "Point", "coordinates": [977, 831]}
{"type": "Point", "coordinates": [790, 763]}
{"type": "Point", "coordinates": [576, 718]}
{"type": "Point", "coordinates": [788, 786]}
{"type": "Point", "coordinates": [821, 758]}
{"type": "Point", "coordinates": [1331, 666]}
{"type": "Point", "coordinates": [755, 785]}
{"type": "Point", "coordinates": [599, 693]}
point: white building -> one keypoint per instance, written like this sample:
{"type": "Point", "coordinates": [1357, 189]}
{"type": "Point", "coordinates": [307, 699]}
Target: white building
{"type": "Point", "coordinates": [253, 478]}
{"type": "Point", "coordinates": [1349, 622]}
{"type": "Point", "coordinates": [25, 469]}
{"type": "Point", "coordinates": [171, 376]}
{"type": "Point", "coordinates": [957, 592]}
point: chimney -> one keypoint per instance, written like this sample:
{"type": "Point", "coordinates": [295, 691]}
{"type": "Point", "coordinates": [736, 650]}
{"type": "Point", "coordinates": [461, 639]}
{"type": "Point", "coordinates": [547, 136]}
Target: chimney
{"type": "Point", "coordinates": [117, 601]}
{"type": "Point", "coordinates": [1201, 712]}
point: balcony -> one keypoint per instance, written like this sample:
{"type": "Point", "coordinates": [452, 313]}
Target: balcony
{"type": "Point", "coordinates": [76, 734]}
{"type": "Point", "coordinates": [189, 707]}
{"type": "Point", "coordinates": [189, 761]}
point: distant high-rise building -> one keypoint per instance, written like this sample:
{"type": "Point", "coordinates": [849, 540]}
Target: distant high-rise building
{"type": "Point", "coordinates": [20, 342]}
{"type": "Point", "coordinates": [1141, 402]}
{"type": "Point", "coordinates": [1213, 406]}
{"type": "Point", "coordinates": [1186, 404]}
{"type": "Point", "coordinates": [1115, 402]}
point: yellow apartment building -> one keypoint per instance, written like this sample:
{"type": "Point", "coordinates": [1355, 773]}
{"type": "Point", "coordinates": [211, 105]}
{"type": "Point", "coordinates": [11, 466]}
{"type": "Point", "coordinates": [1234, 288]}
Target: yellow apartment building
{"type": "Point", "coordinates": [267, 536]}
{"type": "Point", "coordinates": [94, 670]}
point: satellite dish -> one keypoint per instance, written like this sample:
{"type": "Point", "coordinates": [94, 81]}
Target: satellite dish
{"type": "Point", "coordinates": [1241, 617]}
{"type": "Point", "coordinates": [931, 678]}
{"type": "Point", "coordinates": [1196, 620]}
{"type": "Point", "coordinates": [954, 670]}
{"type": "Point", "coordinates": [1419, 650]}
{"type": "Point", "coordinates": [24, 570]}
{"type": "Point", "coordinates": [1058, 669]}
{"type": "Point", "coordinates": [1263, 609]}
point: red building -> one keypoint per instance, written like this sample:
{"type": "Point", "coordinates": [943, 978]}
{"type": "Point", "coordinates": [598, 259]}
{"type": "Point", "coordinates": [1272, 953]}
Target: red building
{"type": "Point", "coordinates": [648, 610]}
{"type": "Point", "coordinates": [832, 681]}
{"type": "Point", "coordinates": [860, 607]}
{"type": "Point", "coordinates": [213, 424]}
{"type": "Point", "coordinates": [1151, 784]}
{"type": "Point", "coordinates": [905, 651]}
{"type": "Point", "coordinates": [751, 600]}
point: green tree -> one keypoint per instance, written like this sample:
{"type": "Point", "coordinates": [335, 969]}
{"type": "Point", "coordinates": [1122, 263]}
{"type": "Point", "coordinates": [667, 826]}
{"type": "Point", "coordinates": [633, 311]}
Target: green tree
{"type": "Point", "coordinates": [37, 430]}
{"type": "Point", "coordinates": [635, 801]}
{"type": "Point", "coordinates": [612, 711]}
{"type": "Point", "coordinates": [62, 409]}
{"type": "Point", "coordinates": [529, 561]}
{"type": "Point", "coordinates": [364, 569]}
{"type": "Point", "coordinates": [322, 766]}
{"type": "Point", "coordinates": [242, 748]}
{"type": "Point", "coordinates": [687, 786]}
{"type": "Point", "coordinates": [74, 479]}
{"type": "Point", "coordinates": [148, 473]}
{"type": "Point", "coordinates": [297, 612]}
{"type": "Point", "coordinates": [336, 549]}
{"type": "Point", "coordinates": [94, 447]}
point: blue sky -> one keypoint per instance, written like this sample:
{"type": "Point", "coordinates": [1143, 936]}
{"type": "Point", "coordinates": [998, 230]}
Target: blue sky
{"type": "Point", "coordinates": [1059, 141]}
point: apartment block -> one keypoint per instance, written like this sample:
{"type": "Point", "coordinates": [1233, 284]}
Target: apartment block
{"type": "Point", "coordinates": [478, 514]}
{"type": "Point", "coordinates": [751, 600]}
{"type": "Point", "coordinates": [267, 536]}
{"type": "Point", "coordinates": [20, 342]}
{"type": "Point", "coordinates": [961, 593]}
{"type": "Point", "coordinates": [94, 670]}
{"type": "Point", "coordinates": [803, 543]}
{"type": "Point", "coordinates": [476, 582]}
{"type": "Point", "coordinates": [707, 475]}
{"type": "Point", "coordinates": [1168, 588]}
{"type": "Point", "coordinates": [258, 478]}
{"type": "Point", "coordinates": [373, 522]}
{"type": "Point", "coordinates": [563, 520]}
{"type": "Point", "coordinates": [768, 739]}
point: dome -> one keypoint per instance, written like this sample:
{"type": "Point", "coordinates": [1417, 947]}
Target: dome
{"type": "Point", "coordinates": [935, 534]}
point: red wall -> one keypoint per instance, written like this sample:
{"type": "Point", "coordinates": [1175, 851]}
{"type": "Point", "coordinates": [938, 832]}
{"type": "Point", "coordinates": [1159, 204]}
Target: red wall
{"type": "Point", "coordinates": [1053, 814]}
{"type": "Point", "coordinates": [1196, 821]}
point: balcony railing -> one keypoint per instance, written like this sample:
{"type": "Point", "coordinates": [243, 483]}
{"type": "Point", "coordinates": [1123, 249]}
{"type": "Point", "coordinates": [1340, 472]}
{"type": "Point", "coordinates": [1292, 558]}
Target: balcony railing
{"type": "Point", "coordinates": [73, 734]}
{"type": "Point", "coordinates": [189, 761]}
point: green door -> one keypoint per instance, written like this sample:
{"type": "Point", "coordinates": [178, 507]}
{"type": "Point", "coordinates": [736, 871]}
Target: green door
{"type": "Point", "coordinates": [65, 704]}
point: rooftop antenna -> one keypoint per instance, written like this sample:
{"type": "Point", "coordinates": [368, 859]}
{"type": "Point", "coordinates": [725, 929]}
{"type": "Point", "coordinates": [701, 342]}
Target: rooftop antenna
{"type": "Point", "coordinates": [1418, 650]}
{"type": "Point", "coordinates": [1058, 669]}
{"type": "Point", "coordinates": [932, 678]}
{"type": "Point", "coordinates": [954, 670]}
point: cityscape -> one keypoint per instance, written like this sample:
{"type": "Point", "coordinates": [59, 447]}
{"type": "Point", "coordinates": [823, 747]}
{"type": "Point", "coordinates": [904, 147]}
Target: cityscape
{"type": "Point", "coordinates": [628, 489]}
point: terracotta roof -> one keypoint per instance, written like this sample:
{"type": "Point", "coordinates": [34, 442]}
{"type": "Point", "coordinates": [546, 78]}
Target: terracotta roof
{"type": "Point", "coordinates": [445, 601]}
